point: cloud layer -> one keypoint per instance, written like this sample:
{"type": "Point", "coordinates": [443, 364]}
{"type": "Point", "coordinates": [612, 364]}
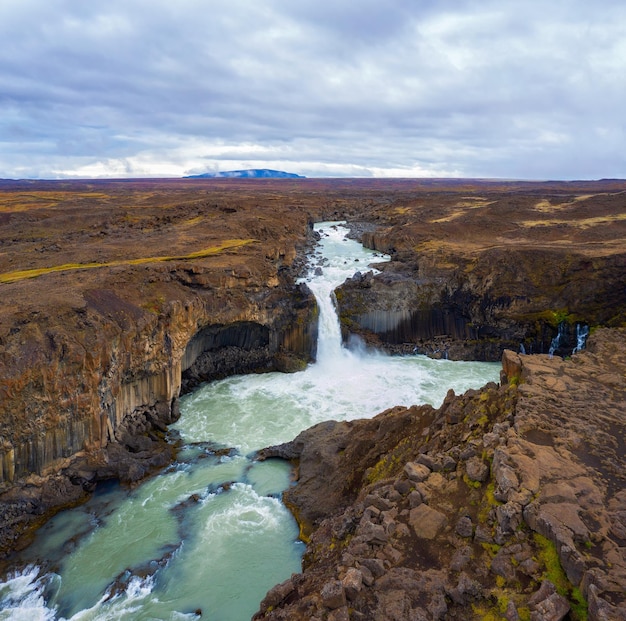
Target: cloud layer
{"type": "Point", "coordinates": [129, 88]}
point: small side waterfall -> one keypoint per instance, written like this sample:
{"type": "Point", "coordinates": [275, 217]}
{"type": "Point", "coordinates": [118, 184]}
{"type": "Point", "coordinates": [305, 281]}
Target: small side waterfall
{"type": "Point", "coordinates": [558, 339]}
{"type": "Point", "coordinates": [564, 338]}
{"type": "Point", "coordinates": [582, 332]}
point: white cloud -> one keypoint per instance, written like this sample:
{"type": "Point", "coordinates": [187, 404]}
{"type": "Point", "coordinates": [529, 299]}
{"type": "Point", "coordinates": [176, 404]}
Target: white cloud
{"type": "Point", "coordinates": [145, 88]}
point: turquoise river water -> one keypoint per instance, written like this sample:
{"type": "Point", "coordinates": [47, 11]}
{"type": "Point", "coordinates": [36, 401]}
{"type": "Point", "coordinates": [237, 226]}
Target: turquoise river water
{"type": "Point", "coordinates": [209, 536]}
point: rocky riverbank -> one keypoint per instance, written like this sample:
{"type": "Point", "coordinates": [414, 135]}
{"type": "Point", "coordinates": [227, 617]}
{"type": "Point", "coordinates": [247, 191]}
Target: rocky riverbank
{"type": "Point", "coordinates": [505, 503]}
{"type": "Point", "coordinates": [115, 298]}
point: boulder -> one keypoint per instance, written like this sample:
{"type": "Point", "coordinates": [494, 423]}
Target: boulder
{"type": "Point", "coordinates": [352, 583]}
{"type": "Point", "coordinates": [417, 472]}
{"type": "Point", "coordinates": [464, 527]}
{"type": "Point", "coordinates": [426, 521]}
{"type": "Point", "coordinates": [476, 469]}
{"type": "Point", "coordinates": [333, 594]}
{"type": "Point", "coordinates": [511, 365]}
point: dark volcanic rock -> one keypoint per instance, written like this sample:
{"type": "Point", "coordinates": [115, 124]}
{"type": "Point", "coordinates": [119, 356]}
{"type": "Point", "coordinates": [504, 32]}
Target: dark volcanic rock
{"type": "Point", "coordinates": [473, 275]}
{"type": "Point", "coordinates": [539, 533]}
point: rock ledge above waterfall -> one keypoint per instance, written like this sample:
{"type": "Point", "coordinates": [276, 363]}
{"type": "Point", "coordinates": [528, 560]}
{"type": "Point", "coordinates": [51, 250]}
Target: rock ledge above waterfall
{"type": "Point", "coordinates": [506, 502]}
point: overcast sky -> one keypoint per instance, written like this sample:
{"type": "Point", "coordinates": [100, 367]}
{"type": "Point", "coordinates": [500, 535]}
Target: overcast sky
{"type": "Point", "coordinates": [527, 89]}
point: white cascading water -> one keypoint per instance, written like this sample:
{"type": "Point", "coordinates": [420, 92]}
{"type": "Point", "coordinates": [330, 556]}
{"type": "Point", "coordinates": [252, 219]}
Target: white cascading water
{"type": "Point", "coordinates": [556, 341]}
{"type": "Point", "coordinates": [210, 533]}
{"type": "Point", "coordinates": [582, 333]}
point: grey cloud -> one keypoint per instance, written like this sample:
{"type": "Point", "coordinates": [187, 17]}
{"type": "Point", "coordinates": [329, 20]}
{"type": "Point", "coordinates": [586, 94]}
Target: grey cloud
{"type": "Point", "coordinates": [496, 89]}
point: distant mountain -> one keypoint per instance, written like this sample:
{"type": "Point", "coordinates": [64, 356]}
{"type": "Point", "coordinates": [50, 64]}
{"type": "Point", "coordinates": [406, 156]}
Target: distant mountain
{"type": "Point", "coordinates": [252, 173]}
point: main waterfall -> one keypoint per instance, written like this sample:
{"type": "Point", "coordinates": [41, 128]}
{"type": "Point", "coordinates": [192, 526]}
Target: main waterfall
{"type": "Point", "coordinates": [210, 533]}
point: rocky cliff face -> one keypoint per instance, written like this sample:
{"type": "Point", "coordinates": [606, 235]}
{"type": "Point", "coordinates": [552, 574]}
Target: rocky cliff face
{"type": "Point", "coordinates": [507, 502]}
{"type": "Point", "coordinates": [94, 354]}
{"type": "Point", "coordinates": [473, 275]}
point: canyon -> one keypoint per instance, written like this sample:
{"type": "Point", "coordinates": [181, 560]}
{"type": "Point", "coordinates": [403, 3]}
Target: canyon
{"type": "Point", "coordinates": [115, 297]}
{"type": "Point", "coordinates": [504, 503]}
{"type": "Point", "coordinates": [118, 296]}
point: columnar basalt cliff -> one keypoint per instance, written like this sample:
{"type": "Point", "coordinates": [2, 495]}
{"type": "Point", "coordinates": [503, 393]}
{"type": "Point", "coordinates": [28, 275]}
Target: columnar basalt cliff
{"type": "Point", "coordinates": [505, 503]}
{"type": "Point", "coordinates": [96, 407]}
{"type": "Point", "coordinates": [472, 275]}
{"type": "Point", "coordinates": [100, 333]}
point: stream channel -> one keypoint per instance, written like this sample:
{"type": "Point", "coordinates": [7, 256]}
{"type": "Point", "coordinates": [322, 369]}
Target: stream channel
{"type": "Point", "coordinates": [210, 535]}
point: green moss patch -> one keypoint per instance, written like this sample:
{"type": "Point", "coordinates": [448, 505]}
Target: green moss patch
{"type": "Point", "coordinates": [548, 556]}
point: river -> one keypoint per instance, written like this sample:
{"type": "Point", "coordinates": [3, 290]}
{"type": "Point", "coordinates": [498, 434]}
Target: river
{"type": "Point", "coordinates": [209, 535]}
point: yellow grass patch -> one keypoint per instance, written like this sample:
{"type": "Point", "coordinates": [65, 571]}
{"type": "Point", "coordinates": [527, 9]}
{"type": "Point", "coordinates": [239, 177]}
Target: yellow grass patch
{"type": "Point", "coordinates": [545, 206]}
{"type": "Point", "coordinates": [474, 202]}
{"type": "Point", "coordinates": [583, 223]}
{"type": "Point", "coordinates": [453, 216]}
{"type": "Point", "coordinates": [462, 208]}
{"type": "Point", "coordinates": [23, 201]}
{"type": "Point", "coordinates": [229, 244]}
{"type": "Point", "coordinates": [192, 222]}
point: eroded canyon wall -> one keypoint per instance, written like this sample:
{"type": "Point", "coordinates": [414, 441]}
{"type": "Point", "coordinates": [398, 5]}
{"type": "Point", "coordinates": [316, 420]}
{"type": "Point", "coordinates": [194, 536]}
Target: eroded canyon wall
{"type": "Point", "coordinates": [94, 354]}
{"type": "Point", "coordinates": [525, 300]}
{"type": "Point", "coordinates": [472, 275]}
{"type": "Point", "coordinates": [69, 381]}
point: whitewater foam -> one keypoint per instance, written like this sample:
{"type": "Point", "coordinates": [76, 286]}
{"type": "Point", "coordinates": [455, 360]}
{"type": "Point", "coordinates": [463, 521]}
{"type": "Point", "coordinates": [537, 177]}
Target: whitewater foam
{"type": "Point", "coordinates": [209, 532]}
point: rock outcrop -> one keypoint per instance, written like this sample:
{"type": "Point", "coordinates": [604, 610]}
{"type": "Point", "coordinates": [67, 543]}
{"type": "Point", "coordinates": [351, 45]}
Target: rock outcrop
{"type": "Point", "coordinates": [473, 275]}
{"type": "Point", "coordinates": [113, 302]}
{"type": "Point", "coordinates": [505, 503]}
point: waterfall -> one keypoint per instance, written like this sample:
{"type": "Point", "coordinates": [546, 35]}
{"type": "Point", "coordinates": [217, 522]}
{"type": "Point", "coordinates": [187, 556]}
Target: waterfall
{"type": "Point", "coordinates": [561, 339]}
{"type": "Point", "coordinates": [210, 532]}
{"type": "Point", "coordinates": [329, 331]}
{"type": "Point", "coordinates": [558, 339]}
{"type": "Point", "coordinates": [582, 332]}
{"type": "Point", "coordinates": [328, 269]}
